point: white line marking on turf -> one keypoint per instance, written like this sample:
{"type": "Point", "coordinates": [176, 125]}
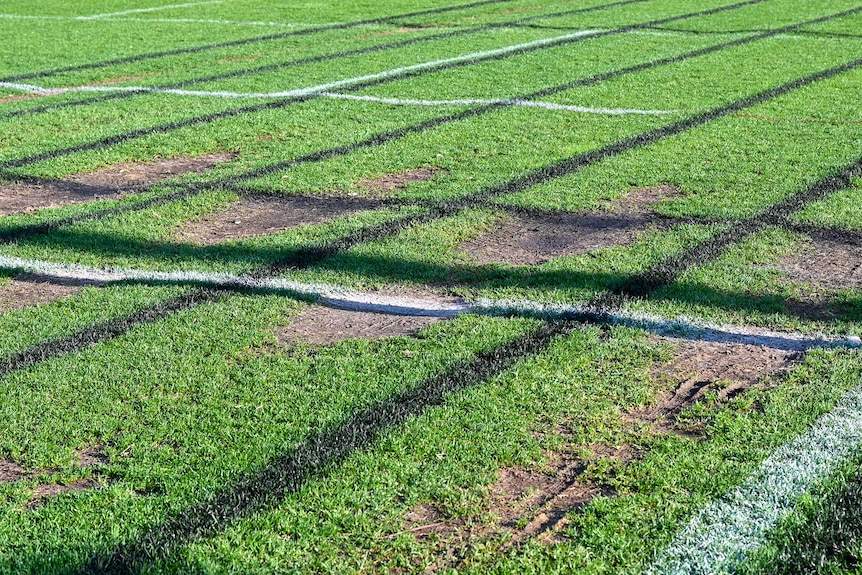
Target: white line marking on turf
{"type": "Point", "coordinates": [152, 9]}
{"type": "Point", "coordinates": [508, 102]}
{"type": "Point", "coordinates": [171, 21]}
{"type": "Point", "coordinates": [344, 298]}
{"type": "Point", "coordinates": [718, 537]}
{"type": "Point", "coordinates": [312, 90]}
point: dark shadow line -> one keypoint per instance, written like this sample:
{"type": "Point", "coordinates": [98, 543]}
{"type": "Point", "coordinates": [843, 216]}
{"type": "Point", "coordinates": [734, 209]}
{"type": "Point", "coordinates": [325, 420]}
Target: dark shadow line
{"type": "Point", "coordinates": [309, 60]}
{"type": "Point", "coordinates": [287, 101]}
{"type": "Point", "coordinates": [776, 216]}
{"type": "Point", "coordinates": [106, 330]}
{"type": "Point", "coordinates": [830, 233]}
{"type": "Point", "coordinates": [383, 138]}
{"type": "Point", "coordinates": [243, 42]}
{"type": "Point", "coordinates": [255, 491]}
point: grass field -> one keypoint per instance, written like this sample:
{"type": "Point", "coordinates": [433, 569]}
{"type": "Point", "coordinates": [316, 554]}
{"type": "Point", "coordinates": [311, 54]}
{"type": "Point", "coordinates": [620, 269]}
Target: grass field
{"type": "Point", "coordinates": [504, 286]}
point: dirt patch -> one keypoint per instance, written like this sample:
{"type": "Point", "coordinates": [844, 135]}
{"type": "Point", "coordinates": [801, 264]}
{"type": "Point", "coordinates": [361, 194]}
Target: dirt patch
{"type": "Point", "coordinates": [531, 238]}
{"type": "Point", "coordinates": [10, 471]}
{"type": "Point", "coordinates": [386, 184]}
{"type": "Point", "coordinates": [17, 97]}
{"type": "Point", "coordinates": [92, 456]}
{"type": "Point", "coordinates": [317, 325]}
{"type": "Point", "coordinates": [258, 216]}
{"type": "Point", "coordinates": [46, 491]}
{"type": "Point", "coordinates": [110, 182]}
{"type": "Point", "coordinates": [27, 290]}
{"type": "Point", "coordinates": [108, 82]}
{"type": "Point", "coordinates": [828, 263]}
{"type": "Point", "coordinates": [699, 367]}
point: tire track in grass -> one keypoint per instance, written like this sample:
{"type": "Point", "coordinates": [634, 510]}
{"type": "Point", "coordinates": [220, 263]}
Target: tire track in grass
{"type": "Point", "coordinates": [652, 279]}
{"type": "Point", "coordinates": [244, 41]}
{"type": "Point", "coordinates": [189, 190]}
{"type": "Point", "coordinates": [304, 95]}
{"type": "Point", "coordinates": [312, 60]}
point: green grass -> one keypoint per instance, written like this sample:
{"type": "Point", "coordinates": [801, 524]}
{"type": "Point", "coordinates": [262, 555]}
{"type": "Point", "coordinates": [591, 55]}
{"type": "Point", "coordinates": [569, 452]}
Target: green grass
{"type": "Point", "coordinates": [188, 408]}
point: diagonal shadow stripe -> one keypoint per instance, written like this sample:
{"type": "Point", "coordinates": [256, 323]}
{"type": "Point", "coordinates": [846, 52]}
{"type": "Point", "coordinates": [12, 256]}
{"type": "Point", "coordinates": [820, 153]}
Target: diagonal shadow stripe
{"type": "Point", "coordinates": [192, 189]}
{"type": "Point", "coordinates": [258, 490]}
{"type": "Point", "coordinates": [314, 59]}
{"type": "Point", "coordinates": [245, 41]}
{"type": "Point", "coordinates": [651, 280]}
{"type": "Point", "coordinates": [287, 101]}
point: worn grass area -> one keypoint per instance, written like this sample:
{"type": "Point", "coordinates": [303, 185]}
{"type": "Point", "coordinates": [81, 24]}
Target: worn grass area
{"type": "Point", "coordinates": [686, 166]}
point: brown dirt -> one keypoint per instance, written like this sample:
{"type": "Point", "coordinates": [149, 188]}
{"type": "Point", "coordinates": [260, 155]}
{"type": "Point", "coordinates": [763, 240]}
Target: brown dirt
{"type": "Point", "coordinates": [92, 456]}
{"type": "Point", "coordinates": [525, 504]}
{"type": "Point", "coordinates": [10, 471]}
{"type": "Point", "coordinates": [698, 367]}
{"type": "Point", "coordinates": [532, 239]}
{"type": "Point", "coordinates": [827, 263]}
{"type": "Point", "coordinates": [110, 182]}
{"type": "Point", "coordinates": [28, 290]}
{"type": "Point", "coordinates": [386, 184]}
{"type": "Point", "coordinates": [257, 216]}
{"type": "Point", "coordinates": [317, 325]}
{"type": "Point", "coordinates": [46, 491]}
{"type": "Point", "coordinates": [17, 97]}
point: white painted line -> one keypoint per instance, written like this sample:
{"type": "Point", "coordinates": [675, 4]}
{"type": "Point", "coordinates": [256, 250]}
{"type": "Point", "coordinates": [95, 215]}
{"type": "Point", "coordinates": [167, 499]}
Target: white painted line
{"type": "Point", "coordinates": [223, 22]}
{"type": "Point", "coordinates": [318, 89]}
{"type": "Point", "coordinates": [718, 537]}
{"type": "Point", "coordinates": [153, 9]}
{"type": "Point", "coordinates": [172, 21]}
{"type": "Point", "coordinates": [345, 298]}
{"type": "Point", "coordinates": [503, 101]}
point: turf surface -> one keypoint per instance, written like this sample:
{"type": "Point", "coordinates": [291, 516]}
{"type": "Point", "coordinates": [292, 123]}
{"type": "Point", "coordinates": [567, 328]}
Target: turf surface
{"type": "Point", "coordinates": [162, 426]}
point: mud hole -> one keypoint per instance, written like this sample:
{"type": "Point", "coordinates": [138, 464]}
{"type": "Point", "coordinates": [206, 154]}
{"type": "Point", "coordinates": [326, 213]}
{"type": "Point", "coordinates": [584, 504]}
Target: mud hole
{"type": "Point", "coordinates": [699, 367]}
{"type": "Point", "coordinates": [828, 263]}
{"type": "Point", "coordinates": [265, 215]}
{"type": "Point", "coordinates": [27, 290]}
{"type": "Point", "coordinates": [110, 182]}
{"type": "Point", "coordinates": [317, 325]}
{"type": "Point", "coordinates": [532, 239]}
{"type": "Point", "coordinates": [386, 184]}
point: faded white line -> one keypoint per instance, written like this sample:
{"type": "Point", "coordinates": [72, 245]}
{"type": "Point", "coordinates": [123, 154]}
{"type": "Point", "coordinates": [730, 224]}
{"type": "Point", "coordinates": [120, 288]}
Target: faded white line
{"type": "Point", "coordinates": [313, 90]}
{"type": "Point", "coordinates": [501, 101]}
{"type": "Point", "coordinates": [718, 537]}
{"type": "Point", "coordinates": [508, 102]}
{"type": "Point", "coordinates": [152, 9]}
{"type": "Point", "coordinates": [172, 21]}
{"type": "Point", "coordinates": [345, 298]}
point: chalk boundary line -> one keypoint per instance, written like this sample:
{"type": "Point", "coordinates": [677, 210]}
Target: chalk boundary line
{"type": "Point", "coordinates": [353, 300]}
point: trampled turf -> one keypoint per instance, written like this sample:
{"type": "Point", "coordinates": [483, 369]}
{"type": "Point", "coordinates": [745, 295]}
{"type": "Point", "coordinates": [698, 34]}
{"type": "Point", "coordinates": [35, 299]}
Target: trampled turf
{"type": "Point", "coordinates": [499, 286]}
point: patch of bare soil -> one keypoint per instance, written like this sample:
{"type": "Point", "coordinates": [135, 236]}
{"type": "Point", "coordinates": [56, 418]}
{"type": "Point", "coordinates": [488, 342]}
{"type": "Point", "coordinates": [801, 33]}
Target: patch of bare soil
{"type": "Point", "coordinates": [110, 182]}
{"type": "Point", "coordinates": [532, 239]}
{"type": "Point", "coordinates": [317, 325]}
{"type": "Point", "coordinates": [46, 491]}
{"type": "Point", "coordinates": [386, 184]}
{"type": "Point", "coordinates": [257, 216]}
{"type": "Point", "coordinates": [27, 290]}
{"type": "Point", "coordinates": [10, 471]}
{"type": "Point", "coordinates": [526, 504]}
{"type": "Point", "coordinates": [827, 263]}
{"type": "Point", "coordinates": [699, 367]}
{"type": "Point", "coordinates": [92, 456]}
